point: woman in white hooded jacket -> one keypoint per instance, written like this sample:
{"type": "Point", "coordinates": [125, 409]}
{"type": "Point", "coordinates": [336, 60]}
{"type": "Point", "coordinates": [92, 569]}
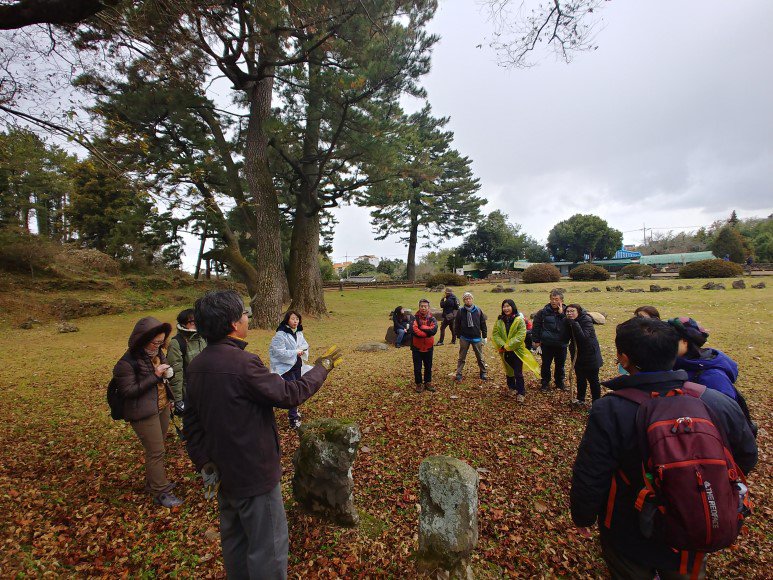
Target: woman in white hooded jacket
{"type": "Point", "coordinates": [287, 353]}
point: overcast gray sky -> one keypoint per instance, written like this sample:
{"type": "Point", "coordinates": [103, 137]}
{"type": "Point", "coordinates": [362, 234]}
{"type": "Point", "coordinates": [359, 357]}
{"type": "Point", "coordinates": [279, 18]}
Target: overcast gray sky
{"type": "Point", "coordinates": [669, 123]}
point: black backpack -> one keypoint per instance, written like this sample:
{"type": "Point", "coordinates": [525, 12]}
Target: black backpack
{"type": "Point", "coordinates": [114, 398]}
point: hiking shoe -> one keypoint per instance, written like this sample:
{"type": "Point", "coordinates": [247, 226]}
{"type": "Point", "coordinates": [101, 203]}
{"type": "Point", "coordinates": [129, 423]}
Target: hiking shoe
{"type": "Point", "coordinates": [453, 342]}
{"type": "Point", "coordinates": [295, 424]}
{"type": "Point", "coordinates": [458, 378]}
{"type": "Point", "coordinates": [439, 343]}
{"type": "Point", "coordinates": [167, 500]}
{"type": "Point", "coordinates": [419, 388]}
{"type": "Point", "coordinates": [544, 389]}
{"type": "Point", "coordinates": [520, 398]}
{"type": "Point", "coordinates": [429, 387]}
{"type": "Point", "coordinates": [561, 387]}
{"type": "Point", "coordinates": [483, 377]}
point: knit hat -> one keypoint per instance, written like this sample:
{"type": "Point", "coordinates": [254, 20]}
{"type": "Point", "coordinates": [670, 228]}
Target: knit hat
{"type": "Point", "coordinates": [690, 330]}
{"type": "Point", "coordinates": [466, 294]}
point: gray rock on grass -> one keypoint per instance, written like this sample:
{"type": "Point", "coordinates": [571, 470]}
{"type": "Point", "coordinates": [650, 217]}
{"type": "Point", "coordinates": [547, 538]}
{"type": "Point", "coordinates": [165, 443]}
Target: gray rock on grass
{"type": "Point", "coordinates": [372, 347]}
{"type": "Point", "coordinates": [448, 523]}
{"type": "Point", "coordinates": [322, 482]}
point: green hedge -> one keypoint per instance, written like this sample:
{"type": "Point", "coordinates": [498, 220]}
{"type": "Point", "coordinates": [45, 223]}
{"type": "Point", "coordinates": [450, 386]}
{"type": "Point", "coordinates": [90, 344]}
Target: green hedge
{"type": "Point", "coordinates": [445, 279]}
{"type": "Point", "coordinates": [588, 272]}
{"type": "Point", "coordinates": [541, 273]}
{"type": "Point", "coordinates": [711, 269]}
{"type": "Point", "coordinates": [633, 270]}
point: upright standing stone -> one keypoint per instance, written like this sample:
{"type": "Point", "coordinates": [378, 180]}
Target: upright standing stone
{"type": "Point", "coordinates": [448, 523]}
{"type": "Point", "coordinates": [323, 482]}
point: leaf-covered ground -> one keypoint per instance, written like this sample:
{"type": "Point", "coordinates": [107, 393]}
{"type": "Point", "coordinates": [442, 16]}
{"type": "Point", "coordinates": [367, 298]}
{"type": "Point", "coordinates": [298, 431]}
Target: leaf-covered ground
{"type": "Point", "coordinates": [71, 500]}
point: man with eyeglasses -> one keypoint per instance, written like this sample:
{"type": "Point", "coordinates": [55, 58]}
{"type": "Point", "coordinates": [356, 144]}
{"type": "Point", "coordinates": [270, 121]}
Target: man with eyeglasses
{"type": "Point", "coordinates": [232, 438]}
{"type": "Point", "coordinates": [183, 348]}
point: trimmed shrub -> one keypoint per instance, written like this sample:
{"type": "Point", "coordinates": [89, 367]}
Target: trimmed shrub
{"type": "Point", "coordinates": [633, 270]}
{"type": "Point", "coordinates": [711, 269]}
{"type": "Point", "coordinates": [588, 272]}
{"type": "Point", "coordinates": [541, 273]}
{"type": "Point", "coordinates": [445, 279]}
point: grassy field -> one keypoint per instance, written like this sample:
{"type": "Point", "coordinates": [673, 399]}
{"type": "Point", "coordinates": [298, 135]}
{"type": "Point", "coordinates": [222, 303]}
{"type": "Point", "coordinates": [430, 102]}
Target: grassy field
{"type": "Point", "coordinates": [71, 500]}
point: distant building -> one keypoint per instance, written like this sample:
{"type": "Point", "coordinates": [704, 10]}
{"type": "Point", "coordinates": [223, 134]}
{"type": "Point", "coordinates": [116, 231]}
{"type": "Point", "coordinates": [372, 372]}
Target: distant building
{"type": "Point", "coordinates": [341, 266]}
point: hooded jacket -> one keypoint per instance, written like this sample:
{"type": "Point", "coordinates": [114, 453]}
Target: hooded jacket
{"type": "Point", "coordinates": [284, 347]}
{"type": "Point", "coordinates": [140, 390]}
{"type": "Point", "coordinates": [583, 342]}
{"type": "Point", "coordinates": [609, 452]}
{"type": "Point", "coordinates": [229, 416]}
{"type": "Point", "coordinates": [195, 343]}
{"type": "Point", "coordinates": [513, 339]}
{"type": "Point", "coordinates": [714, 369]}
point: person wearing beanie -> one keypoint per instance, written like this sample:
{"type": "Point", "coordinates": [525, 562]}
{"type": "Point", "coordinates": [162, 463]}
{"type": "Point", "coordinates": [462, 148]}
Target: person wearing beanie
{"type": "Point", "coordinates": [470, 329]}
{"type": "Point", "coordinates": [183, 348]}
{"type": "Point", "coordinates": [705, 366]}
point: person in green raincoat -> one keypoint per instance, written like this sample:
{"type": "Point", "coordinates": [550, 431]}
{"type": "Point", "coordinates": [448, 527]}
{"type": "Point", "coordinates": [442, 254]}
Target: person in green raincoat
{"type": "Point", "coordinates": [509, 336]}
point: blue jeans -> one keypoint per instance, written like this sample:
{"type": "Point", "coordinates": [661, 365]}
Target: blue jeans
{"type": "Point", "coordinates": [400, 336]}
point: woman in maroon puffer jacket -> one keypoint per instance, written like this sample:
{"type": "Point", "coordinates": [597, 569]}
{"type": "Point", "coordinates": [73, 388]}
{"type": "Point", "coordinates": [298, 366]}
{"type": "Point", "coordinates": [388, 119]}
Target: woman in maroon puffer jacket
{"type": "Point", "coordinates": [147, 400]}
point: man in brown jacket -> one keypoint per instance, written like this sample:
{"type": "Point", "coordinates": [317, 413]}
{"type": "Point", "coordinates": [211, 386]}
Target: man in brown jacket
{"type": "Point", "coordinates": [231, 435]}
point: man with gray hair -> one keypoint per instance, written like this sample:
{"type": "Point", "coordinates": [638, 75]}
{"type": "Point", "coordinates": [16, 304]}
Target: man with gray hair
{"type": "Point", "coordinates": [470, 328]}
{"type": "Point", "coordinates": [550, 333]}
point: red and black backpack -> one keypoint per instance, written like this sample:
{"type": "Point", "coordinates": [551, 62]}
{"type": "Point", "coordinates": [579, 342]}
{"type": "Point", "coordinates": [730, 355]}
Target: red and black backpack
{"type": "Point", "coordinates": [694, 495]}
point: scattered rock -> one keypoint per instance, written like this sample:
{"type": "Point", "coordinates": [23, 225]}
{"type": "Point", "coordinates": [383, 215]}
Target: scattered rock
{"type": "Point", "coordinates": [65, 326]}
{"type": "Point", "coordinates": [593, 289]}
{"type": "Point", "coordinates": [27, 324]}
{"type": "Point", "coordinates": [656, 288]}
{"type": "Point", "coordinates": [713, 286]}
{"type": "Point", "coordinates": [527, 290]}
{"type": "Point", "coordinates": [509, 289]}
{"type": "Point", "coordinates": [323, 482]}
{"type": "Point", "coordinates": [391, 335]}
{"type": "Point", "coordinates": [759, 286]}
{"type": "Point", "coordinates": [448, 521]}
{"type": "Point", "coordinates": [438, 288]}
{"type": "Point", "coordinates": [739, 284]}
{"type": "Point", "coordinates": [635, 290]}
{"type": "Point", "coordinates": [617, 288]}
{"type": "Point", "coordinates": [497, 290]}
{"type": "Point", "coordinates": [372, 347]}
{"type": "Point", "coordinates": [684, 288]}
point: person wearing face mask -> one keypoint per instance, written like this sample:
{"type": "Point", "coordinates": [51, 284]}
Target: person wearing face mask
{"type": "Point", "coordinates": [140, 376]}
{"type": "Point", "coordinates": [287, 353]}
{"type": "Point", "coordinates": [183, 348]}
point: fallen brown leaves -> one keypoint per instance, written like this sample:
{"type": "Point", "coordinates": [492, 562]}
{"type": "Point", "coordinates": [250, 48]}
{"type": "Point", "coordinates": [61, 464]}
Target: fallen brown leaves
{"type": "Point", "coordinates": [71, 499]}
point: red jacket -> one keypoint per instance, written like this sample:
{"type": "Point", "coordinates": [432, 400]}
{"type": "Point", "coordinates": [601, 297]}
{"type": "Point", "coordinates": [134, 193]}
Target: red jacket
{"type": "Point", "coordinates": [424, 330]}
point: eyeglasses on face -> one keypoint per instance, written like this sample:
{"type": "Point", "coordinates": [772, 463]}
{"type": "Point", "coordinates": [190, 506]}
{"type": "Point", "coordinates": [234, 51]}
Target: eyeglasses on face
{"type": "Point", "coordinates": [156, 342]}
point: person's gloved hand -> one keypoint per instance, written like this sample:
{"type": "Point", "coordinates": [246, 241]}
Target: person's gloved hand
{"type": "Point", "coordinates": [210, 474]}
{"type": "Point", "coordinates": [179, 408]}
{"type": "Point", "coordinates": [331, 359]}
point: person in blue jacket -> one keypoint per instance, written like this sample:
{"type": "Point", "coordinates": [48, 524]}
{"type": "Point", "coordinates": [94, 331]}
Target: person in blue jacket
{"type": "Point", "coordinates": [705, 366]}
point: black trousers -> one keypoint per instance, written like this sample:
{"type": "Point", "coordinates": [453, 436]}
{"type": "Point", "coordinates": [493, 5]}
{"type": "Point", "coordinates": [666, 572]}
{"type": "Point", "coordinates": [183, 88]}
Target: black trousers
{"type": "Point", "coordinates": [585, 376]}
{"type": "Point", "coordinates": [425, 359]}
{"type": "Point", "coordinates": [552, 353]}
{"type": "Point", "coordinates": [443, 325]}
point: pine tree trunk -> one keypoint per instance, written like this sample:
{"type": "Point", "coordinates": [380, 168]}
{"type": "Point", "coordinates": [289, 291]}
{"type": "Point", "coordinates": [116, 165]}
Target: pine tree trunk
{"type": "Point", "coordinates": [201, 251]}
{"type": "Point", "coordinates": [413, 238]}
{"type": "Point", "coordinates": [271, 282]}
{"type": "Point", "coordinates": [305, 276]}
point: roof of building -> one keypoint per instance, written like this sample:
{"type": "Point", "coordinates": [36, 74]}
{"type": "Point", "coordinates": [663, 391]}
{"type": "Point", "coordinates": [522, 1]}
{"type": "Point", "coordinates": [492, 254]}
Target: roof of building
{"type": "Point", "coordinates": [623, 253]}
{"type": "Point", "coordinates": [683, 258]}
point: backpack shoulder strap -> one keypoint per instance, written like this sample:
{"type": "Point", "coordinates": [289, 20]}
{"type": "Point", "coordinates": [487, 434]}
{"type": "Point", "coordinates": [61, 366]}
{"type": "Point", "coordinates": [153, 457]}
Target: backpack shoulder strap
{"type": "Point", "coordinates": [183, 349]}
{"type": "Point", "coordinates": [635, 395]}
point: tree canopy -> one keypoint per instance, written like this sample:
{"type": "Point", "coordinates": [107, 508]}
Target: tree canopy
{"type": "Point", "coordinates": [583, 235]}
{"type": "Point", "coordinates": [496, 240]}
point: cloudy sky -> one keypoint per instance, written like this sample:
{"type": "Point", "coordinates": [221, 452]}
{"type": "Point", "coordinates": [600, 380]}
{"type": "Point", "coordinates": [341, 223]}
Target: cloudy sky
{"type": "Point", "coordinates": [669, 123]}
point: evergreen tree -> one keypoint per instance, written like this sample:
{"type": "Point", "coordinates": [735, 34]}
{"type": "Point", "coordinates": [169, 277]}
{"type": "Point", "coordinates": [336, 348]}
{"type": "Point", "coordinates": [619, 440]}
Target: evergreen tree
{"type": "Point", "coordinates": [729, 243]}
{"type": "Point", "coordinates": [432, 192]}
